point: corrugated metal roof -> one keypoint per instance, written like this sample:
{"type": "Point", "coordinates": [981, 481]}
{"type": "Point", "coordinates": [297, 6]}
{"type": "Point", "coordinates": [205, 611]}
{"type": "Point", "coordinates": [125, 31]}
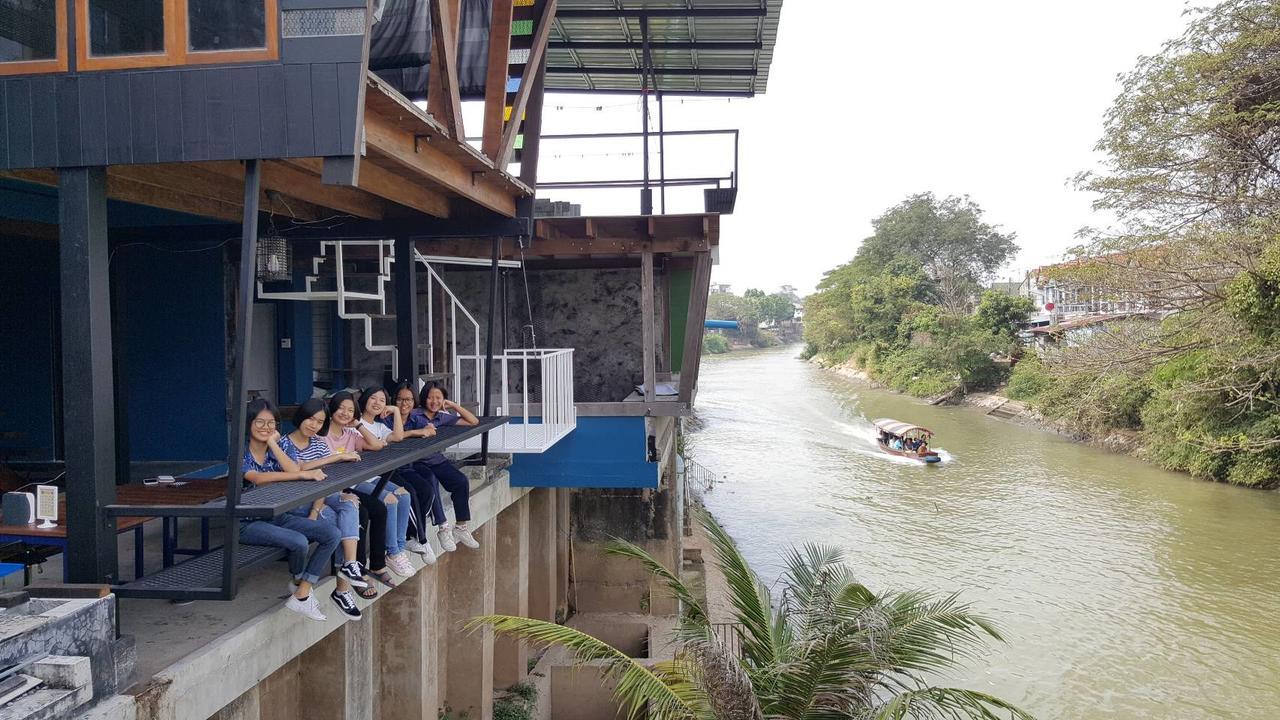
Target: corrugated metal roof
{"type": "Point", "coordinates": [698, 46]}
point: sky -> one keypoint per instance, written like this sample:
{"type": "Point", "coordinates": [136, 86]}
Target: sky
{"type": "Point", "coordinates": [869, 102]}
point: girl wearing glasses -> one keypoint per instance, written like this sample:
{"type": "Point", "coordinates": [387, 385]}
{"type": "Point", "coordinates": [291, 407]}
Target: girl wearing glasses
{"type": "Point", "coordinates": [267, 461]}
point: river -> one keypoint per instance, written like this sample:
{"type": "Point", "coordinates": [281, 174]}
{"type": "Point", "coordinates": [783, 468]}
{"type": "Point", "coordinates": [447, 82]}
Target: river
{"type": "Point", "coordinates": [1123, 591]}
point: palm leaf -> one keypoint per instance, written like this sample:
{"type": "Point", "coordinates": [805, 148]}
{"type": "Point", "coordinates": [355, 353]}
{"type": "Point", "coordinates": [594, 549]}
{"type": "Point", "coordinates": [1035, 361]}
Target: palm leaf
{"type": "Point", "coordinates": [753, 607]}
{"type": "Point", "coordinates": [934, 702]}
{"type": "Point", "coordinates": [693, 610]}
{"type": "Point", "coordinates": [670, 692]}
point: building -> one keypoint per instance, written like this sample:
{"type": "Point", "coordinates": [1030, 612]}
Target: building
{"type": "Point", "coordinates": [279, 200]}
{"type": "Point", "coordinates": [1072, 311]}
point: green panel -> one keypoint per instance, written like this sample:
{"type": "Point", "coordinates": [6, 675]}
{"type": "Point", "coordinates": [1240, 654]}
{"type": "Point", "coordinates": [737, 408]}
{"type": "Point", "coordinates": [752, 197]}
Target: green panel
{"type": "Point", "coordinates": [681, 282]}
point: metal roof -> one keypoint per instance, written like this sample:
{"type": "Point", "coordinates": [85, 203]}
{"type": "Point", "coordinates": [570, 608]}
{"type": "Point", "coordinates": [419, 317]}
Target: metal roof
{"type": "Point", "coordinates": [708, 47]}
{"type": "Point", "coordinates": [899, 428]}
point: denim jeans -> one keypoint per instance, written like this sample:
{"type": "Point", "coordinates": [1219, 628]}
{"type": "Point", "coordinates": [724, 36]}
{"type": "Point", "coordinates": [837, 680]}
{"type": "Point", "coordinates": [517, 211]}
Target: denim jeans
{"type": "Point", "coordinates": [296, 534]}
{"type": "Point", "coordinates": [397, 514]}
{"type": "Point", "coordinates": [348, 515]}
{"type": "Point", "coordinates": [458, 487]}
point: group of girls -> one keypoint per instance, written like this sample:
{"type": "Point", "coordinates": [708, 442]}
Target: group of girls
{"type": "Point", "coordinates": [363, 533]}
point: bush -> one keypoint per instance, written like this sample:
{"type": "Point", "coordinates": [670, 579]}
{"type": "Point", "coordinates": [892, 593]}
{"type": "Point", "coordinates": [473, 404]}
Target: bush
{"type": "Point", "coordinates": [1029, 380]}
{"type": "Point", "coordinates": [517, 703]}
{"type": "Point", "coordinates": [715, 344]}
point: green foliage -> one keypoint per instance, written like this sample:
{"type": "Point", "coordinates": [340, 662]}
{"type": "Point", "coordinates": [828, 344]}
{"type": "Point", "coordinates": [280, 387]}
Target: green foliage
{"type": "Point", "coordinates": [1000, 314]}
{"type": "Point", "coordinates": [901, 308]}
{"type": "Point", "coordinates": [715, 344]}
{"type": "Point", "coordinates": [832, 648]}
{"type": "Point", "coordinates": [516, 703]}
{"type": "Point", "coordinates": [1028, 380]}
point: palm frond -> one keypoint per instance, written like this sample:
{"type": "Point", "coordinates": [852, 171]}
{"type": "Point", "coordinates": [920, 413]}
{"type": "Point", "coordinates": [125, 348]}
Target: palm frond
{"type": "Point", "coordinates": [668, 694]}
{"type": "Point", "coordinates": [693, 610]}
{"type": "Point", "coordinates": [935, 702]}
{"type": "Point", "coordinates": [753, 607]}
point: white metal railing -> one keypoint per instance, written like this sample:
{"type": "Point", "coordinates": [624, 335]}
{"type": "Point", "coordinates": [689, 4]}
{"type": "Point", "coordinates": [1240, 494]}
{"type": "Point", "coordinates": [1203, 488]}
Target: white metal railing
{"type": "Point", "coordinates": [332, 252]}
{"type": "Point", "coordinates": [535, 385]}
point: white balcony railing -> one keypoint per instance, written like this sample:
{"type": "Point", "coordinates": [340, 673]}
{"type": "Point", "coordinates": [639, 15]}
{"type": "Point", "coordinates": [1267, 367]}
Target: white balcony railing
{"type": "Point", "coordinates": [534, 388]}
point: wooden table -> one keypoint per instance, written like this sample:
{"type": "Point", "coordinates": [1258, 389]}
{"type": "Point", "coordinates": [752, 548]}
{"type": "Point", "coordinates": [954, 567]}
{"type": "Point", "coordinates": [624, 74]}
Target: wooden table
{"type": "Point", "coordinates": [33, 534]}
{"type": "Point", "coordinates": [182, 492]}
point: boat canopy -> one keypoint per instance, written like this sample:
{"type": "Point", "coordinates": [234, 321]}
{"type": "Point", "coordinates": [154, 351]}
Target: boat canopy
{"type": "Point", "coordinates": [901, 429]}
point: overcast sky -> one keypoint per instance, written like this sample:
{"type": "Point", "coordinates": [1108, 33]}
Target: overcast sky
{"type": "Point", "coordinates": [869, 102]}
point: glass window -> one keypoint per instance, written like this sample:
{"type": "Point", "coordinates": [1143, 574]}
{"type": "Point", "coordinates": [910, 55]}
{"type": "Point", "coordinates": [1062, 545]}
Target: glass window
{"type": "Point", "coordinates": [126, 27]}
{"type": "Point", "coordinates": [226, 25]}
{"type": "Point", "coordinates": [28, 30]}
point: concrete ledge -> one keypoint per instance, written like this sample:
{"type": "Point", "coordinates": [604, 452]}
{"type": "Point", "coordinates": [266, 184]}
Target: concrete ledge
{"type": "Point", "coordinates": [203, 682]}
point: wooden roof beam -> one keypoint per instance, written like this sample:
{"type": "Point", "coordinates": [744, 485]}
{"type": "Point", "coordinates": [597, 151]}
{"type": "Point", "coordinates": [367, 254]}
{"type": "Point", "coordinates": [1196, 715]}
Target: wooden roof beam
{"type": "Point", "coordinates": [388, 140]}
{"type": "Point", "coordinates": [540, 38]}
{"type": "Point", "coordinates": [377, 180]}
{"type": "Point", "coordinates": [443, 100]}
{"type": "Point", "coordinates": [288, 180]}
{"type": "Point", "coordinates": [495, 84]}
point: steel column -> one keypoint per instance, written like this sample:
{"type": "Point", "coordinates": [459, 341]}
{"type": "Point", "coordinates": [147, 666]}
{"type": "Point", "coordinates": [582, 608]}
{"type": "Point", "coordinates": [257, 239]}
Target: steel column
{"type": "Point", "coordinates": [646, 194]}
{"type": "Point", "coordinates": [406, 277]}
{"type": "Point", "coordinates": [486, 402]}
{"type": "Point", "coordinates": [88, 387]}
{"type": "Point", "coordinates": [244, 331]}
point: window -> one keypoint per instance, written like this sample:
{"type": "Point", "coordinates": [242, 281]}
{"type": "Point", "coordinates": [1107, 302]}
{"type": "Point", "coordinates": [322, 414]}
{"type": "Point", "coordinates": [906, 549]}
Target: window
{"type": "Point", "coordinates": [126, 27]}
{"type": "Point", "coordinates": [152, 33]}
{"type": "Point", "coordinates": [214, 25]}
{"type": "Point", "coordinates": [32, 36]}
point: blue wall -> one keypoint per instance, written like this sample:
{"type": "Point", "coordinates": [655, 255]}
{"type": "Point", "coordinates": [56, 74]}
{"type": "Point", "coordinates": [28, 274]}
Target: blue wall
{"type": "Point", "coordinates": [28, 303]}
{"type": "Point", "coordinates": [173, 329]}
{"type": "Point", "coordinates": [602, 452]}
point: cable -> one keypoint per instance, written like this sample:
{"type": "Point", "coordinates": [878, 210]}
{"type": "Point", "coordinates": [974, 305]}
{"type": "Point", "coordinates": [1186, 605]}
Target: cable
{"type": "Point", "coordinates": [528, 304]}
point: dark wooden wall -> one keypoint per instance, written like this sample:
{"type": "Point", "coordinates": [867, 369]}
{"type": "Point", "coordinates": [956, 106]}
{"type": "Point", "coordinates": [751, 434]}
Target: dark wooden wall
{"type": "Point", "coordinates": [304, 105]}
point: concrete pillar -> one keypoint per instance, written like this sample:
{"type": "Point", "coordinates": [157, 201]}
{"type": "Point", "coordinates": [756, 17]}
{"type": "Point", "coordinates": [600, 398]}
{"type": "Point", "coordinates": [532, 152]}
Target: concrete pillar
{"type": "Point", "coordinates": [337, 675]}
{"type": "Point", "coordinates": [406, 650]}
{"type": "Point", "coordinates": [245, 707]}
{"type": "Point", "coordinates": [543, 543]}
{"type": "Point", "coordinates": [563, 532]}
{"type": "Point", "coordinates": [468, 592]}
{"type": "Point", "coordinates": [511, 591]}
{"type": "Point", "coordinates": [281, 692]}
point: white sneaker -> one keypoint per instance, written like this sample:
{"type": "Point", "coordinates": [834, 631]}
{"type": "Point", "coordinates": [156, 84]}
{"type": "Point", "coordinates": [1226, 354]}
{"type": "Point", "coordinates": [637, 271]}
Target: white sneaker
{"type": "Point", "coordinates": [428, 555]}
{"type": "Point", "coordinates": [463, 535]}
{"type": "Point", "coordinates": [308, 608]}
{"type": "Point", "coordinates": [400, 565]}
{"type": "Point", "coordinates": [445, 536]}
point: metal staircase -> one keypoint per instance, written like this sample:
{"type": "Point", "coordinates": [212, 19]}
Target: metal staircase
{"type": "Point", "coordinates": [545, 415]}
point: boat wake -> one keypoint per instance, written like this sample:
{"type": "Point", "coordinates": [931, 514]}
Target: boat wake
{"type": "Point", "coordinates": [868, 434]}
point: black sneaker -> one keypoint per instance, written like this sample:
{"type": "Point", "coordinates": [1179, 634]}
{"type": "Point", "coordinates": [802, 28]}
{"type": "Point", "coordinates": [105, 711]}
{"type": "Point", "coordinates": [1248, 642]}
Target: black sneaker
{"type": "Point", "coordinates": [345, 603]}
{"type": "Point", "coordinates": [354, 574]}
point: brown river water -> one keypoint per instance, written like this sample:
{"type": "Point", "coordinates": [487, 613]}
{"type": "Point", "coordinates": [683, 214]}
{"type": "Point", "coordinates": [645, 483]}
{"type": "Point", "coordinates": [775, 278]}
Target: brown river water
{"type": "Point", "coordinates": [1123, 591]}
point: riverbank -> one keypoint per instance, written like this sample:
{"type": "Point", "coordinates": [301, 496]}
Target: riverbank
{"type": "Point", "coordinates": [999, 406]}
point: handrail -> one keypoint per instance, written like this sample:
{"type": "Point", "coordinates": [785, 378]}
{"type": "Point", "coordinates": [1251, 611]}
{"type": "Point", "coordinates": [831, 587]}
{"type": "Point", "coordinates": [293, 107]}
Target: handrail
{"type": "Point", "coordinates": [558, 414]}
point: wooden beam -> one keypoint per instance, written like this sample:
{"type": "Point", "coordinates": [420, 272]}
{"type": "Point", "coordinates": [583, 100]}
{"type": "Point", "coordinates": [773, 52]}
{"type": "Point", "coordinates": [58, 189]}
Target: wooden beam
{"type": "Point", "coordinates": [570, 247]}
{"type": "Point", "coordinates": [179, 188]}
{"type": "Point", "coordinates": [540, 37]}
{"type": "Point", "coordinates": [401, 147]}
{"type": "Point", "coordinates": [443, 100]}
{"type": "Point", "coordinates": [495, 84]}
{"type": "Point", "coordinates": [646, 323]}
{"type": "Point", "coordinates": [288, 180]}
{"type": "Point", "coordinates": [27, 229]}
{"type": "Point", "coordinates": [693, 327]}
{"type": "Point", "coordinates": [382, 182]}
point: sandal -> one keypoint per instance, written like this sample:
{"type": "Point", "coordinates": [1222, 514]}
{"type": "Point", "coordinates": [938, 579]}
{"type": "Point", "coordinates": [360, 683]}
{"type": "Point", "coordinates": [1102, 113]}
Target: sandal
{"type": "Point", "coordinates": [368, 592]}
{"type": "Point", "coordinates": [383, 576]}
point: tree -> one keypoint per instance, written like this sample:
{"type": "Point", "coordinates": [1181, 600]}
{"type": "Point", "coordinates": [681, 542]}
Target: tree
{"type": "Point", "coordinates": [831, 649]}
{"type": "Point", "coordinates": [947, 239]}
{"type": "Point", "coordinates": [776, 308]}
{"type": "Point", "coordinates": [1001, 314]}
{"type": "Point", "coordinates": [1192, 176]}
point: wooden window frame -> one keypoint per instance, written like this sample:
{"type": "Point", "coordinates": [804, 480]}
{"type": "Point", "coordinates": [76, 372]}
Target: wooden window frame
{"type": "Point", "coordinates": [176, 40]}
{"type": "Point", "coordinates": [59, 61]}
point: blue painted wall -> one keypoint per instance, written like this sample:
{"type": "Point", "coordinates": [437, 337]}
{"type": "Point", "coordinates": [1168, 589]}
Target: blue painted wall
{"type": "Point", "coordinates": [173, 328]}
{"type": "Point", "coordinates": [602, 452]}
{"type": "Point", "coordinates": [28, 306]}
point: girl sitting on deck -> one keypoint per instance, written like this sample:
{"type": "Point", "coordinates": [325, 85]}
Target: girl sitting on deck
{"type": "Point", "coordinates": [389, 511]}
{"type": "Point", "coordinates": [439, 411]}
{"type": "Point", "coordinates": [265, 461]}
{"type": "Point", "coordinates": [309, 420]}
{"type": "Point", "coordinates": [386, 422]}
